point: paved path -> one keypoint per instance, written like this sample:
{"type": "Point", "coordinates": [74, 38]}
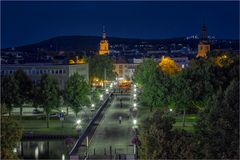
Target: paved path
{"type": "Point", "coordinates": [111, 133]}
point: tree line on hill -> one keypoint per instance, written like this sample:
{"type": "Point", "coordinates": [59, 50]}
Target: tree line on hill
{"type": "Point", "coordinates": [209, 88]}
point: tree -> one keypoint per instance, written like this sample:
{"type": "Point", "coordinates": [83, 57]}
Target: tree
{"type": "Point", "coordinates": [11, 133]}
{"type": "Point", "coordinates": [156, 85]}
{"type": "Point", "coordinates": [160, 141]}
{"type": "Point", "coordinates": [169, 66]}
{"type": "Point", "coordinates": [48, 95]}
{"type": "Point", "coordinates": [146, 69]}
{"type": "Point", "coordinates": [182, 94]}
{"type": "Point", "coordinates": [218, 126]}
{"type": "Point", "coordinates": [25, 88]}
{"type": "Point", "coordinates": [9, 93]}
{"type": "Point", "coordinates": [77, 92]}
{"type": "Point", "coordinates": [99, 64]}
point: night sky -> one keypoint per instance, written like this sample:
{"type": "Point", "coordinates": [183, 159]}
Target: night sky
{"type": "Point", "coordinates": [30, 22]}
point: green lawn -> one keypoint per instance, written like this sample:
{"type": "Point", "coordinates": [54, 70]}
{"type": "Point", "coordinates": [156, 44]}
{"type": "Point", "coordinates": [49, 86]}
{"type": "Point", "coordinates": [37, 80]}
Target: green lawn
{"type": "Point", "coordinates": [55, 127]}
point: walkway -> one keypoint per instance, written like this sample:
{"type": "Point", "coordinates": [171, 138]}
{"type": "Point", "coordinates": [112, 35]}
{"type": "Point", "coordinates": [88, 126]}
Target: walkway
{"type": "Point", "coordinates": [111, 133]}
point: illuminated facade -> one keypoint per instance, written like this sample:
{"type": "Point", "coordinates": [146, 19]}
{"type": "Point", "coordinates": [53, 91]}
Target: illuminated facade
{"type": "Point", "coordinates": [104, 46]}
{"type": "Point", "coordinates": [203, 46]}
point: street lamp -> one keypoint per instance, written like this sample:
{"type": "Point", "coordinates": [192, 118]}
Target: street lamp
{"type": "Point", "coordinates": [134, 105]}
{"type": "Point", "coordinates": [78, 122]}
{"type": "Point", "coordinates": [135, 89]}
{"type": "Point", "coordinates": [134, 122]}
{"type": "Point", "coordinates": [134, 96]}
{"type": "Point", "coordinates": [107, 91]}
{"type": "Point", "coordinates": [101, 97]}
{"type": "Point", "coordinates": [170, 109]}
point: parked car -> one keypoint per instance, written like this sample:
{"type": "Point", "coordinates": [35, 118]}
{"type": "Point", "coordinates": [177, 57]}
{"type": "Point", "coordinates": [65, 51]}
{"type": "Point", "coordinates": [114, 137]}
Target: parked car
{"type": "Point", "coordinates": [36, 111]}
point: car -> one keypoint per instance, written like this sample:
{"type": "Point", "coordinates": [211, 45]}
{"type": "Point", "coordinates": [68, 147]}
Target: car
{"type": "Point", "coordinates": [36, 111]}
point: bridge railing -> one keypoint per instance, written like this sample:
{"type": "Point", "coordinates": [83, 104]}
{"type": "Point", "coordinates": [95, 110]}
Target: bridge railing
{"type": "Point", "coordinates": [82, 137]}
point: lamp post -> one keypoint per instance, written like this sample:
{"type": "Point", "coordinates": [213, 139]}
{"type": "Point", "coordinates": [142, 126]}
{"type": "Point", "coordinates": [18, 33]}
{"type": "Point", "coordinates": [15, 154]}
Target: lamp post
{"type": "Point", "coordinates": [78, 127]}
{"type": "Point", "coordinates": [101, 97]}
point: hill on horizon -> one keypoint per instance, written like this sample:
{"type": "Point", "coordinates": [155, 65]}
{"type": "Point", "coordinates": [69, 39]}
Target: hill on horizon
{"type": "Point", "coordinates": [80, 43]}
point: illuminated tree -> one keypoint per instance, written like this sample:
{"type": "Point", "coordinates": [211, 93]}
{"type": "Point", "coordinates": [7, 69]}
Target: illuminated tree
{"type": "Point", "coordinates": [11, 133]}
{"type": "Point", "coordinates": [77, 93]}
{"type": "Point", "coordinates": [169, 66]}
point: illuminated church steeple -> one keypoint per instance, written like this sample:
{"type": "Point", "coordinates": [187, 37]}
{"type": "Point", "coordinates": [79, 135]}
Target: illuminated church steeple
{"type": "Point", "coordinates": [203, 46]}
{"type": "Point", "coordinates": [104, 46]}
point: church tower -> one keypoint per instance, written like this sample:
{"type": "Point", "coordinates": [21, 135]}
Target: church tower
{"type": "Point", "coordinates": [203, 46]}
{"type": "Point", "coordinates": [104, 46]}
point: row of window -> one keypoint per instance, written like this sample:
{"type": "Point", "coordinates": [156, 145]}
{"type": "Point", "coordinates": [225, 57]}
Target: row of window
{"type": "Point", "coordinates": [36, 71]}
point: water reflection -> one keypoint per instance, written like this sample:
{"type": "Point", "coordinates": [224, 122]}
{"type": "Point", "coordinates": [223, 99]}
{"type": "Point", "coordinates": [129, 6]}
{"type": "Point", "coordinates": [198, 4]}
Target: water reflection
{"type": "Point", "coordinates": [44, 149]}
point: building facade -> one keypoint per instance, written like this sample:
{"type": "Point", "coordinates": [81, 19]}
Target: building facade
{"type": "Point", "coordinates": [61, 73]}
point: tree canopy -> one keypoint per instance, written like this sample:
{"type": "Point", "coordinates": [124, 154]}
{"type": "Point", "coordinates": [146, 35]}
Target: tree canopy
{"type": "Point", "coordinates": [77, 92]}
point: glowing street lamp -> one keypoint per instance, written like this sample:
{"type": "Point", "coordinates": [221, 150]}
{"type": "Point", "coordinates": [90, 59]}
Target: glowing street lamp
{"type": "Point", "coordinates": [134, 121]}
{"type": "Point", "coordinates": [78, 122]}
{"type": "Point", "coordinates": [107, 91]}
{"type": "Point", "coordinates": [134, 104]}
{"type": "Point", "coordinates": [170, 109]}
{"type": "Point", "coordinates": [93, 105]}
{"type": "Point", "coordinates": [135, 89]}
{"type": "Point", "coordinates": [101, 97]}
{"type": "Point", "coordinates": [134, 96]}
{"type": "Point", "coordinates": [134, 86]}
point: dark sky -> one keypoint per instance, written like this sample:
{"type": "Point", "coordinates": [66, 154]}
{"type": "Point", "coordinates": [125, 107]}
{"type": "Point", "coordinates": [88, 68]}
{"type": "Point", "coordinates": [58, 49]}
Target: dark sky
{"type": "Point", "coordinates": [30, 22]}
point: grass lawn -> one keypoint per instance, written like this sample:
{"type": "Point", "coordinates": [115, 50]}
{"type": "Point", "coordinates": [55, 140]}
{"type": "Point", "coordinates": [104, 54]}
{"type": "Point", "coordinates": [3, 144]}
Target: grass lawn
{"type": "Point", "coordinates": [55, 127]}
{"type": "Point", "coordinates": [39, 126]}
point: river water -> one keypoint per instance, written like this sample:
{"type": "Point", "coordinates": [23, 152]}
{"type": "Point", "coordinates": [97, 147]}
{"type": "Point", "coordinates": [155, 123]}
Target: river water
{"type": "Point", "coordinates": [45, 149]}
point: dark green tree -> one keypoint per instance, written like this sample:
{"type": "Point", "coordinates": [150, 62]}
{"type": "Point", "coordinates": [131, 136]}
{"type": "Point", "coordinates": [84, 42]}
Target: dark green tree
{"type": "Point", "coordinates": [99, 65]}
{"type": "Point", "coordinates": [77, 93]}
{"type": "Point", "coordinates": [9, 93]}
{"type": "Point", "coordinates": [25, 88]}
{"type": "Point", "coordinates": [218, 125]}
{"type": "Point", "coordinates": [160, 141]}
{"type": "Point", "coordinates": [182, 94]}
{"type": "Point", "coordinates": [48, 95]}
